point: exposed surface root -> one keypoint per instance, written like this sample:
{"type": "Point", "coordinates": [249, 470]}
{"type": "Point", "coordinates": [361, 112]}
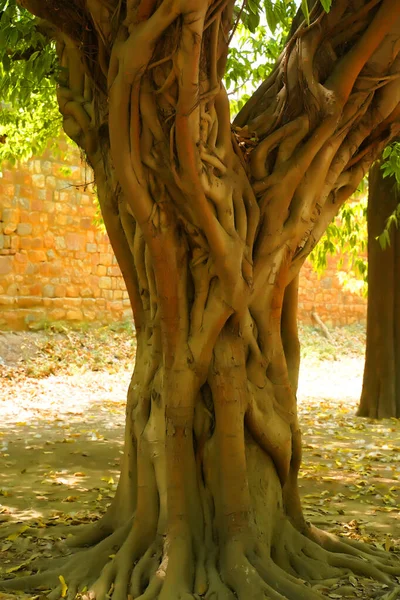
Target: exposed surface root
{"type": "Point", "coordinates": [127, 564]}
{"type": "Point", "coordinates": [79, 570]}
{"type": "Point", "coordinates": [336, 544]}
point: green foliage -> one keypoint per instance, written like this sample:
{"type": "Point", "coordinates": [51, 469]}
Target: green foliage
{"type": "Point", "coordinates": [347, 236]}
{"type": "Point", "coordinates": [391, 168]}
{"type": "Point", "coordinates": [262, 27]}
{"type": "Point", "coordinates": [261, 30]}
{"type": "Point", "coordinates": [29, 115]}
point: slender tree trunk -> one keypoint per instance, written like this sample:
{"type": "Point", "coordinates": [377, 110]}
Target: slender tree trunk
{"type": "Point", "coordinates": [210, 233]}
{"type": "Point", "coordinates": [380, 395]}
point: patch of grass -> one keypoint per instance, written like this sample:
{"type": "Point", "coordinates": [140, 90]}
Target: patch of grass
{"type": "Point", "coordinates": [347, 341]}
{"type": "Point", "coordinates": [64, 348]}
{"type": "Point", "coordinates": [70, 350]}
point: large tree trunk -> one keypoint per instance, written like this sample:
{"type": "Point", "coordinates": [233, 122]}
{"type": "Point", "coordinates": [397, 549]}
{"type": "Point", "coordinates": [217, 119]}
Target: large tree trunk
{"type": "Point", "coordinates": [210, 233]}
{"type": "Point", "coordinates": [380, 395]}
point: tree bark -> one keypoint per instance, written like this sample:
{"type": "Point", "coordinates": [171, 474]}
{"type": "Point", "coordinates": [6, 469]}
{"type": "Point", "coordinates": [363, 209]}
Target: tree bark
{"type": "Point", "coordinates": [210, 229]}
{"type": "Point", "coordinates": [380, 397]}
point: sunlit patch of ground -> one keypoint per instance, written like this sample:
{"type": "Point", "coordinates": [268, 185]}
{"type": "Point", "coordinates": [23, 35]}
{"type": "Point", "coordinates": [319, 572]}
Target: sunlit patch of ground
{"type": "Point", "coordinates": [62, 403]}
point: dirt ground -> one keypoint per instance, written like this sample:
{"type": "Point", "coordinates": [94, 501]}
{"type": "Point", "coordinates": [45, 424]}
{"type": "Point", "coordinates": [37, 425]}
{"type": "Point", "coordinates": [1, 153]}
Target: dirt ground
{"type": "Point", "coordinates": [61, 432]}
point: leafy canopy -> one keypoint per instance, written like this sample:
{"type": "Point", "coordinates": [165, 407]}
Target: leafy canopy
{"type": "Point", "coordinates": [29, 116]}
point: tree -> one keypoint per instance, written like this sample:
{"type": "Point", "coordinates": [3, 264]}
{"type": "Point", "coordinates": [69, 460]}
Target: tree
{"type": "Point", "coordinates": [29, 115]}
{"type": "Point", "coordinates": [210, 225]}
{"type": "Point", "coordinates": [380, 395]}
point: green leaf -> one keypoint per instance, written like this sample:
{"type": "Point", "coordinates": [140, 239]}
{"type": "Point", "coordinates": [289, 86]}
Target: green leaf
{"type": "Point", "coordinates": [326, 4]}
{"type": "Point", "coordinates": [306, 12]}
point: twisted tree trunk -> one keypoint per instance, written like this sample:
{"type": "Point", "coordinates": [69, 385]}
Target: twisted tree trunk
{"type": "Point", "coordinates": [210, 229]}
{"type": "Point", "coordinates": [380, 395]}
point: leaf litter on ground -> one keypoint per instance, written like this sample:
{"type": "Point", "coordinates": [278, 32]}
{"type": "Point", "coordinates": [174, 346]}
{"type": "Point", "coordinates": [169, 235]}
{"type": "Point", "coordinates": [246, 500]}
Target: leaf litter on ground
{"type": "Point", "coordinates": [62, 404]}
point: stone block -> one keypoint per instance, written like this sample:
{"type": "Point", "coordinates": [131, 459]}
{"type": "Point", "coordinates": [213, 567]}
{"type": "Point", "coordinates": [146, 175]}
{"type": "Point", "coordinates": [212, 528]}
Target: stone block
{"type": "Point", "coordinates": [44, 269]}
{"type": "Point", "coordinates": [48, 291]}
{"type": "Point", "coordinates": [51, 182]}
{"type": "Point", "coordinates": [86, 292]}
{"type": "Point", "coordinates": [74, 315]}
{"type": "Point", "coordinates": [49, 207]}
{"type": "Point", "coordinates": [74, 241]}
{"type": "Point", "coordinates": [13, 289]}
{"type": "Point", "coordinates": [21, 257]}
{"type": "Point", "coordinates": [25, 243]}
{"type": "Point", "coordinates": [24, 203]}
{"type": "Point", "coordinates": [60, 291]}
{"type": "Point", "coordinates": [89, 315]}
{"type": "Point", "coordinates": [8, 175]}
{"type": "Point", "coordinates": [86, 200]}
{"type": "Point", "coordinates": [91, 248]}
{"type": "Point", "coordinates": [34, 318]}
{"type": "Point", "coordinates": [27, 301]}
{"type": "Point", "coordinates": [10, 218]}
{"type": "Point", "coordinates": [24, 229]}
{"type": "Point", "coordinates": [36, 243]}
{"type": "Point", "coordinates": [86, 223]}
{"type": "Point", "coordinates": [113, 272]}
{"type": "Point", "coordinates": [72, 291]}
{"type": "Point", "coordinates": [34, 218]}
{"type": "Point", "coordinates": [14, 242]}
{"type": "Point", "coordinates": [107, 294]}
{"type": "Point", "coordinates": [326, 283]}
{"type": "Point", "coordinates": [57, 314]}
{"type": "Point", "coordinates": [74, 303]}
{"type": "Point", "coordinates": [105, 259]}
{"type": "Point", "coordinates": [37, 205]}
{"type": "Point", "coordinates": [46, 167]}
{"type": "Point", "coordinates": [6, 301]}
{"type": "Point", "coordinates": [101, 270]}
{"type": "Point", "coordinates": [61, 220]}
{"type": "Point", "coordinates": [6, 265]}
{"type": "Point", "coordinates": [8, 190]}
{"type": "Point", "coordinates": [60, 243]}
{"type": "Point", "coordinates": [105, 283]}
{"type": "Point", "coordinates": [39, 180]}
{"type": "Point", "coordinates": [35, 290]}
{"type": "Point", "coordinates": [36, 256]}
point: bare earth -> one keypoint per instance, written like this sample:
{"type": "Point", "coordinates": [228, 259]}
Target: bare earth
{"type": "Point", "coordinates": [61, 441]}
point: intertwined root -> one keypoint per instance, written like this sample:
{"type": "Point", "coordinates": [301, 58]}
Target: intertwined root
{"type": "Point", "coordinates": [127, 564]}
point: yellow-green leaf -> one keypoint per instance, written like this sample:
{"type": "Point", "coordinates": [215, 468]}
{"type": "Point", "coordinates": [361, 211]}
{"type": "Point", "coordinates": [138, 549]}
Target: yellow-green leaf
{"type": "Point", "coordinates": [64, 587]}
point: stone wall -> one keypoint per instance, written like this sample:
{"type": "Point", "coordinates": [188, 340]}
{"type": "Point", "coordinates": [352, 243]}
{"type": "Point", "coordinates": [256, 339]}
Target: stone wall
{"type": "Point", "coordinates": [327, 297]}
{"type": "Point", "coordinates": [55, 264]}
